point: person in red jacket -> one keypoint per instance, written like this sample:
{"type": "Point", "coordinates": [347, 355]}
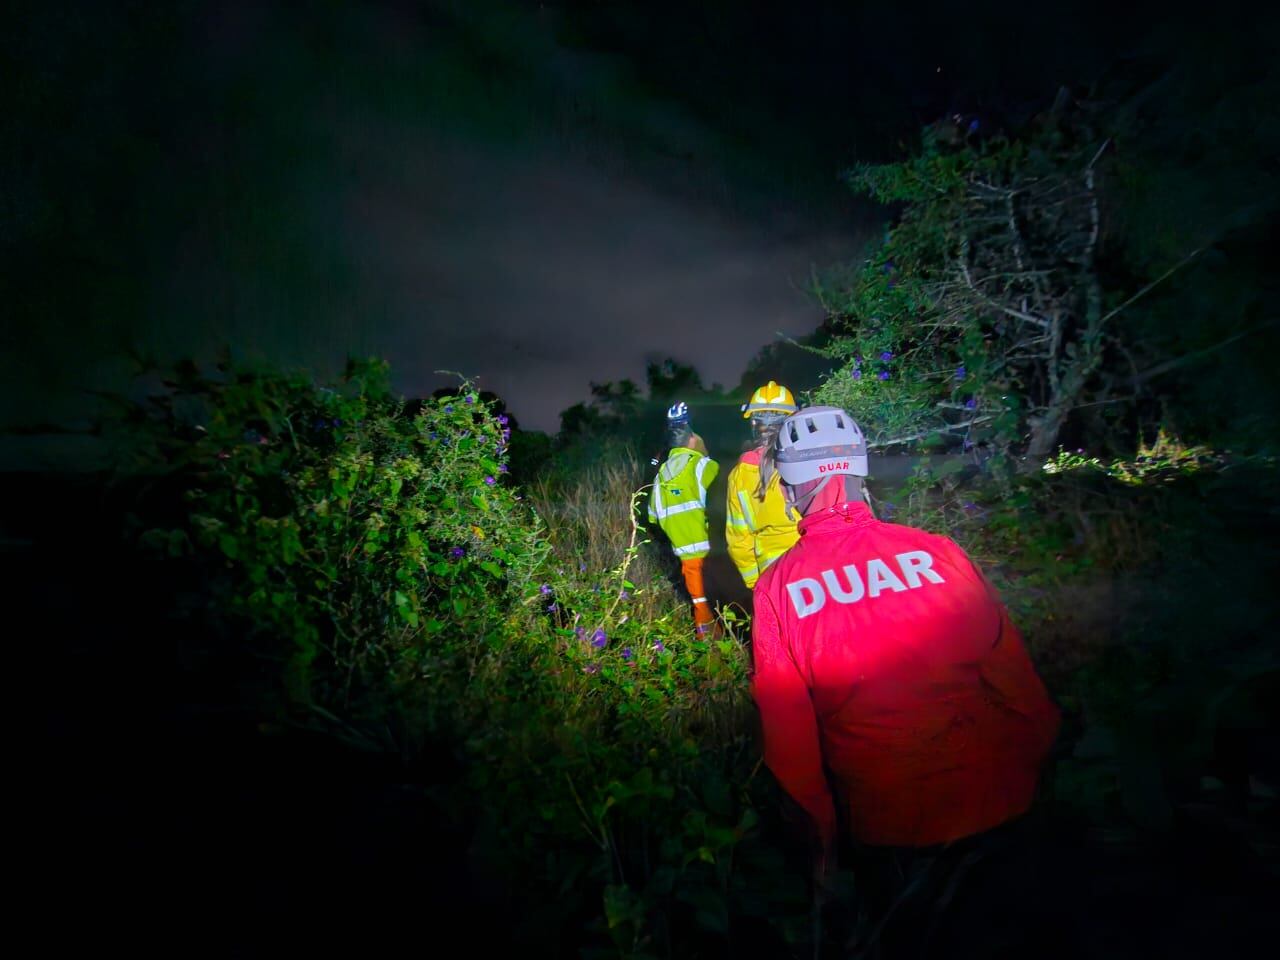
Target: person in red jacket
{"type": "Point", "coordinates": [895, 694]}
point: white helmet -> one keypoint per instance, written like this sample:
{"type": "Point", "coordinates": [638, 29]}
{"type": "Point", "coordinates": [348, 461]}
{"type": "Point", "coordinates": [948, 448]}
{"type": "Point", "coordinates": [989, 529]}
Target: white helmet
{"type": "Point", "coordinates": [820, 442]}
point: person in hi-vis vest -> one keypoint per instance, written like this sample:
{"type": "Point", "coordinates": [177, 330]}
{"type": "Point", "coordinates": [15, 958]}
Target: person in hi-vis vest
{"type": "Point", "coordinates": [678, 504]}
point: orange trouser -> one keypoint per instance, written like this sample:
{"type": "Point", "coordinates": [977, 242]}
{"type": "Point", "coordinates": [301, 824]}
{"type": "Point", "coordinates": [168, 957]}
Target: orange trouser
{"type": "Point", "coordinates": [692, 570]}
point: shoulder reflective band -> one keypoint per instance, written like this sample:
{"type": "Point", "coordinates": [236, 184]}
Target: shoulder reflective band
{"type": "Point", "coordinates": [692, 548]}
{"type": "Point", "coordinates": [698, 471]}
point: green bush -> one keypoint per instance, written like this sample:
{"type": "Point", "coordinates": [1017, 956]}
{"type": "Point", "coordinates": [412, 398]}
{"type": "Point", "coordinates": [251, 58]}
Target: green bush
{"type": "Point", "coordinates": [404, 585]}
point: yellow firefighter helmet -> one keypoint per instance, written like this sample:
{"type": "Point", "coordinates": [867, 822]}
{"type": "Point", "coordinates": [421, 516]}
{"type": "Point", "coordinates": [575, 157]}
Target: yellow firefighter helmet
{"type": "Point", "coordinates": [771, 398]}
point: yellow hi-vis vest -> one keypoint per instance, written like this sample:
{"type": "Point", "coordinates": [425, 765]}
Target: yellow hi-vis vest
{"type": "Point", "coordinates": [756, 531]}
{"type": "Point", "coordinates": [678, 501]}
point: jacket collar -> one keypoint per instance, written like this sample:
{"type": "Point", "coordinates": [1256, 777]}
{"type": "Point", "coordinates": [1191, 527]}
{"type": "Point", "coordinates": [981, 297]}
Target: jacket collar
{"type": "Point", "coordinates": [834, 518]}
{"type": "Point", "coordinates": [751, 456]}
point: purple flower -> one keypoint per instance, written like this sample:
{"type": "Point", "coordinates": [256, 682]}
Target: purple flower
{"type": "Point", "coordinates": [502, 419]}
{"type": "Point", "coordinates": [886, 356]}
{"type": "Point", "coordinates": [959, 373]}
{"type": "Point", "coordinates": [599, 639]}
{"type": "Point", "coordinates": [552, 607]}
{"type": "Point", "coordinates": [470, 399]}
{"type": "Point", "coordinates": [623, 595]}
{"type": "Point", "coordinates": [884, 374]}
{"type": "Point", "coordinates": [889, 508]}
{"type": "Point", "coordinates": [433, 435]}
{"type": "Point", "coordinates": [857, 374]}
{"type": "Point", "coordinates": [969, 505]}
{"type": "Point", "coordinates": [502, 468]}
{"type": "Point", "coordinates": [457, 552]}
{"type": "Point", "coordinates": [657, 646]}
{"type": "Point", "coordinates": [971, 403]}
{"type": "Point", "coordinates": [448, 408]}
{"type": "Point", "coordinates": [545, 589]}
{"type": "Point", "coordinates": [626, 653]}
{"type": "Point", "coordinates": [580, 632]}
{"type": "Point", "coordinates": [582, 568]}
{"type": "Point", "coordinates": [968, 444]}
{"type": "Point", "coordinates": [973, 125]}
{"type": "Point", "coordinates": [490, 481]}
{"type": "Point", "coordinates": [591, 668]}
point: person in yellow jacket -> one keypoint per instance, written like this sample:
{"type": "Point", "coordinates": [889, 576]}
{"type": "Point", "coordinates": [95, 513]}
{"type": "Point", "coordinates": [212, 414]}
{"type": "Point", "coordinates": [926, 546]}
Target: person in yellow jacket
{"type": "Point", "coordinates": [758, 529]}
{"type": "Point", "coordinates": [678, 504]}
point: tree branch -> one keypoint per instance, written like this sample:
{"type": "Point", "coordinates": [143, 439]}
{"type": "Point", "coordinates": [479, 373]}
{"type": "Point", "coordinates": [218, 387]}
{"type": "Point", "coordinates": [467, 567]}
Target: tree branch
{"type": "Point", "coordinates": [1192, 357]}
{"type": "Point", "coordinates": [1155, 283]}
{"type": "Point", "coordinates": [1105, 143]}
{"type": "Point", "coordinates": [920, 436]}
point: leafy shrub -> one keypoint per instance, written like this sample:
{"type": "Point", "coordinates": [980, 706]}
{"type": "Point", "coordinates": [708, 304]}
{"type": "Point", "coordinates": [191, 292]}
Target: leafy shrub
{"type": "Point", "coordinates": [408, 590]}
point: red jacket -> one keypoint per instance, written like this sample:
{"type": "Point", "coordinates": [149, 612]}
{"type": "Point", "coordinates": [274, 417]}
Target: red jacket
{"type": "Point", "coordinates": [881, 652]}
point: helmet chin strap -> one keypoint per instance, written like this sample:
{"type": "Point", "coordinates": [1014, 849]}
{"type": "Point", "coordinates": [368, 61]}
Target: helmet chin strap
{"type": "Point", "coordinates": [796, 508]}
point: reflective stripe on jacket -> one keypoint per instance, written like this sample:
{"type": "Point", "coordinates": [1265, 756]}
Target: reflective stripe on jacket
{"type": "Point", "coordinates": [757, 532]}
{"type": "Point", "coordinates": [678, 500]}
{"type": "Point", "coordinates": [881, 653]}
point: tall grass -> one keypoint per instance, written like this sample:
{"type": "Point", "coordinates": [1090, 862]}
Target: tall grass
{"type": "Point", "coordinates": [592, 517]}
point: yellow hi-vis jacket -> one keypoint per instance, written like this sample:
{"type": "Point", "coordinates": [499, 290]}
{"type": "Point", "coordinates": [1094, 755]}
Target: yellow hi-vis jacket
{"type": "Point", "coordinates": [757, 531]}
{"type": "Point", "coordinates": [678, 501]}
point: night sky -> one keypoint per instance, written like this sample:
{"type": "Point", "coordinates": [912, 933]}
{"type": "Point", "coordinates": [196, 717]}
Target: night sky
{"type": "Point", "coordinates": [540, 195]}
